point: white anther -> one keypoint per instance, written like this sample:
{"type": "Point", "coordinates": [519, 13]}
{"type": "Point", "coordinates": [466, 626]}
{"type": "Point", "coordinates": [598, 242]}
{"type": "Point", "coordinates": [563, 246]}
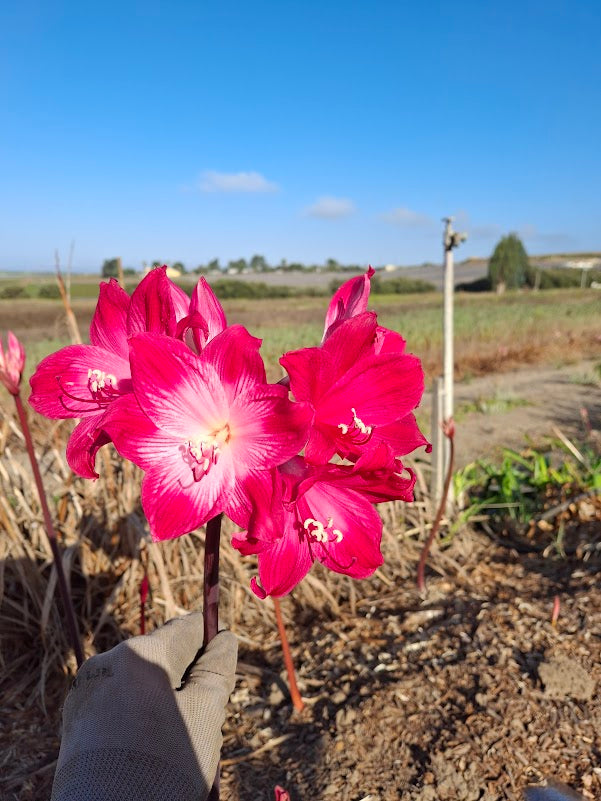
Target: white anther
{"type": "Point", "coordinates": [360, 424]}
{"type": "Point", "coordinates": [343, 427]}
{"type": "Point", "coordinates": [338, 534]}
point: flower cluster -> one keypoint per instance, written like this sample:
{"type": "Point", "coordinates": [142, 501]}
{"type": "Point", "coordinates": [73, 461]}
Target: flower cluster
{"type": "Point", "coordinates": [184, 396]}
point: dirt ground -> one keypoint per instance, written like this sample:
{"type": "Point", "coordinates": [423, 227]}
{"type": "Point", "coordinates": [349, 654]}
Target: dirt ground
{"type": "Point", "coordinates": [526, 405]}
{"type": "Point", "coordinates": [468, 694]}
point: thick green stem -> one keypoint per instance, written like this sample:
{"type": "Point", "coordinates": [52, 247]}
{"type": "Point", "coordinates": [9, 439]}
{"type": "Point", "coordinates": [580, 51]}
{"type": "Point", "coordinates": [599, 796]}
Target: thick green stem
{"type": "Point", "coordinates": [51, 533]}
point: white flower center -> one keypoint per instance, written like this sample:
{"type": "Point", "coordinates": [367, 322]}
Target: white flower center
{"type": "Point", "coordinates": [203, 452]}
{"type": "Point", "coordinates": [98, 380]}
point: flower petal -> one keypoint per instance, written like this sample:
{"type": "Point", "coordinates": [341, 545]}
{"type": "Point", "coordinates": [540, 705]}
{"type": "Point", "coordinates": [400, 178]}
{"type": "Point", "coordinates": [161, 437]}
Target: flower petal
{"type": "Point", "coordinates": [84, 443]}
{"type": "Point", "coordinates": [311, 373]}
{"type": "Point", "coordinates": [356, 550]}
{"type": "Point", "coordinates": [61, 384]}
{"type": "Point", "coordinates": [351, 299]}
{"type": "Point", "coordinates": [283, 565]}
{"type": "Point", "coordinates": [175, 389]}
{"type": "Point", "coordinates": [352, 341]}
{"type": "Point", "coordinates": [204, 301]}
{"type": "Point", "coordinates": [235, 356]}
{"type": "Point", "coordinates": [156, 305]}
{"type": "Point", "coordinates": [267, 428]}
{"type": "Point", "coordinates": [108, 328]}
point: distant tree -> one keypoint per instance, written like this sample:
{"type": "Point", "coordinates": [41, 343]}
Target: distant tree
{"type": "Point", "coordinates": [508, 267]}
{"type": "Point", "coordinates": [332, 266]}
{"type": "Point", "coordinates": [179, 266]}
{"type": "Point", "coordinates": [156, 264]}
{"type": "Point", "coordinates": [110, 268]}
{"type": "Point", "coordinates": [214, 265]}
{"type": "Point", "coordinates": [239, 265]}
{"type": "Point", "coordinates": [258, 264]}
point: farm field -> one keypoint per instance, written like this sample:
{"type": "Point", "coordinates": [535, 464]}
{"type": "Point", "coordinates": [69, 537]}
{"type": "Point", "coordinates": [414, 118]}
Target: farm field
{"type": "Point", "coordinates": [467, 694]}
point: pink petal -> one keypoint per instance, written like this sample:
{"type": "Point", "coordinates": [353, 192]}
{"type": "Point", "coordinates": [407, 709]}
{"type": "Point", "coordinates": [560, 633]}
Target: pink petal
{"type": "Point", "coordinates": [352, 340]}
{"type": "Point", "coordinates": [267, 428]}
{"type": "Point", "coordinates": [351, 299]}
{"type": "Point", "coordinates": [180, 394]}
{"type": "Point", "coordinates": [235, 356]}
{"type": "Point", "coordinates": [156, 305]}
{"type": "Point", "coordinates": [311, 372]}
{"type": "Point", "coordinates": [108, 328]}
{"type": "Point", "coordinates": [357, 554]}
{"type": "Point", "coordinates": [255, 503]}
{"type": "Point", "coordinates": [84, 443]}
{"type": "Point", "coordinates": [204, 301]}
{"type": "Point", "coordinates": [403, 436]}
{"type": "Point", "coordinates": [282, 566]}
{"type": "Point", "coordinates": [388, 341]}
{"type": "Point", "coordinates": [61, 384]}
{"type": "Point", "coordinates": [320, 448]}
{"type": "Point", "coordinates": [174, 503]}
{"type": "Point", "coordinates": [381, 389]}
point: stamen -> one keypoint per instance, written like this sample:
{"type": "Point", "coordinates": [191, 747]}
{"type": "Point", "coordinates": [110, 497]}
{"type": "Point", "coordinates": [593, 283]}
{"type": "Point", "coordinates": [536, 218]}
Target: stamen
{"type": "Point", "coordinates": [357, 432]}
{"type": "Point", "coordinates": [202, 453]}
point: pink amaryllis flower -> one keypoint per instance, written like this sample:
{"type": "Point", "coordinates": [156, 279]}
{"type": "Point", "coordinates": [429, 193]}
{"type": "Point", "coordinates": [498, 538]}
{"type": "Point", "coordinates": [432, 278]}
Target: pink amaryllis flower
{"type": "Point", "coordinates": [207, 429]}
{"type": "Point", "coordinates": [12, 363]}
{"type": "Point", "coordinates": [362, 391]}
{"type": "Point", "coordinates": [81, 381]}
{"type": "Point", "coordinates": [327, 518]}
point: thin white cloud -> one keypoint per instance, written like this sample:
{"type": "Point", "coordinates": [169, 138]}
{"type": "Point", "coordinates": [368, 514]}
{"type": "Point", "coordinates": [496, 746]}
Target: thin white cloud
{"type": "Point", "coordinates": [330, 208]}
{"type": "Point", "coordinates": [407, 218]}
{"type": "Point", "coordinates": [212, 181]}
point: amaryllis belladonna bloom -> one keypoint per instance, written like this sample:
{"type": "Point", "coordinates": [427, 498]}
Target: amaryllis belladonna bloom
{"type": "Point", "coordinates": [348, 301]}
{"type": "Point", "coordinates": [207, 429]}
{"type": "Point", "coordinates": [12, 362]}
{"type": "Point", "coordinates": [325, 519]}
{"type": "Point", "coordinates": [81, 381]}
{"type": "Point", "coordinates": [361, 389]}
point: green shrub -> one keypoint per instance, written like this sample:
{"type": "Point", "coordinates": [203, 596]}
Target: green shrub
{"type": "Point", "coordinates": [478, 285]}
{"type": "Point", "coordinates": [49, 291]}
{"type": "Point", "coordinates": [12, 291]}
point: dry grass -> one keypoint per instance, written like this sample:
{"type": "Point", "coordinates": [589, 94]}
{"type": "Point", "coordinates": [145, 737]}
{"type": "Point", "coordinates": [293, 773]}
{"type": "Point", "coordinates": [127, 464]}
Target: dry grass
{"type": "Point", "coordinates": [106, 546]}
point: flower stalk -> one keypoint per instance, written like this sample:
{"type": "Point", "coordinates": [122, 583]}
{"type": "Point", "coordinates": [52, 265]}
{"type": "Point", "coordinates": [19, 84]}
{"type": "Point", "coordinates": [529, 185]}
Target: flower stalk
{"type": "Point", "coordinates": [211, 601]}
{"type": "Point", "coordinates": [295, 695]}
{"type": "Point", "coordinates": [51, 533]}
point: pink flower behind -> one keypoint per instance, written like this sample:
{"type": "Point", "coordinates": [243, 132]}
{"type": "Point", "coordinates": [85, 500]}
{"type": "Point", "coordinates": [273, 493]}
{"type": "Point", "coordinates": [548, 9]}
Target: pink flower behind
{"type": "Point", "coordinates": [207, 429]}
{"type": "Point", "coordinates": [324, 520]}
{"type": "Point", "coordinates": [362, 391]}
{"type": "Point", "coordinates": [12, 363]}
{"type": "Point", "coordinates": [81, 381]}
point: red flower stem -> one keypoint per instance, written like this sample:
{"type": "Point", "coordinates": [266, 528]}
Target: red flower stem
{"type": "Point", "coordinates": [51, 533]}
{"type": "Point", "coordinates": [297, 701]}
{"type": "Point", "coordinates": [211, 602]}
{"type": "Point", "coordinates": [421, 581]}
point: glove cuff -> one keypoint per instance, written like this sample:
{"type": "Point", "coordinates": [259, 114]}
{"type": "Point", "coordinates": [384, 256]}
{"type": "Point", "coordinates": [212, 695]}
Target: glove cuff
{"type": "Point", "coordinates": [117, 774]}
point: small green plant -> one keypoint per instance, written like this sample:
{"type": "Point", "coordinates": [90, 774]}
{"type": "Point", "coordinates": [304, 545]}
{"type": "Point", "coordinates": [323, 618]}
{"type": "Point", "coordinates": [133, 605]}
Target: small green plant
{"type": "Point", "coordinates": [523, 484]}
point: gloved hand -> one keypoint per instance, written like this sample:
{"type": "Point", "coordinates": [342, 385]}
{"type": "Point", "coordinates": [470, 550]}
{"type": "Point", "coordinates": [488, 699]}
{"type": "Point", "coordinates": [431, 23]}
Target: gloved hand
{"type": "Point", "coordinates": [130, 732]}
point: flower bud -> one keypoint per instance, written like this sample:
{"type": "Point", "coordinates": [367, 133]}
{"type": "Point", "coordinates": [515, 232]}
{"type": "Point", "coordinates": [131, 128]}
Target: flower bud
{"type": "Point", "coordinates": [12, 363]}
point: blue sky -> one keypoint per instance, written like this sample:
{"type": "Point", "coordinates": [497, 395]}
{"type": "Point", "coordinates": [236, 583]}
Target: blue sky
{"type": "Point", "coordinates": [297, 130]}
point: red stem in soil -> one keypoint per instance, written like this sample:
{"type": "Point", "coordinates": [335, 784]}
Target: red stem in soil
{"type": "Point", "coordinates": [211, 601]}
{"type": "Point", "coordinates": [51, 533]}
{"type": "Point", "coordinates": [449, 431]}
{"type": "Point", "coordinates": [297, 701]}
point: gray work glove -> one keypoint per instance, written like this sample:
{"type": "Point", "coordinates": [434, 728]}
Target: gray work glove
{"type": "Point", "coordinates": [130, 733]}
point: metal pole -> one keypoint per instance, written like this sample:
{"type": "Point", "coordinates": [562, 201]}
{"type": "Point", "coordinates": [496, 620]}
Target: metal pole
{"type": "Point", "coordinates": [449, 287]}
